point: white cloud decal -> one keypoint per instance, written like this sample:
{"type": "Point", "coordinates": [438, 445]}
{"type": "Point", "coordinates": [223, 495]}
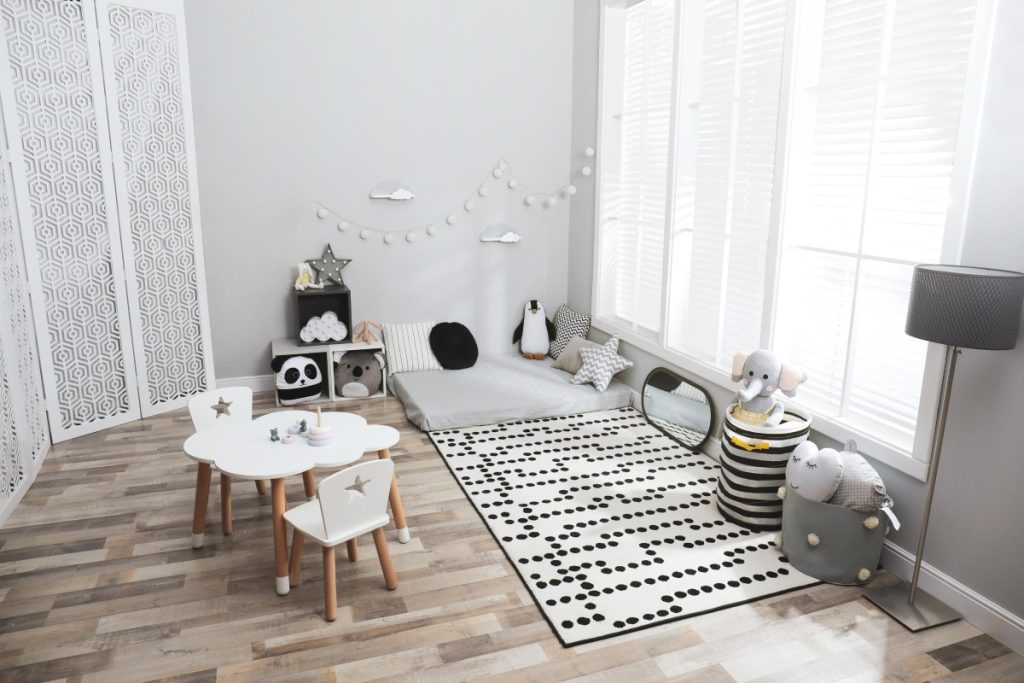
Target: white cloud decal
{"type": "Point", "coordinates": [391, 189]}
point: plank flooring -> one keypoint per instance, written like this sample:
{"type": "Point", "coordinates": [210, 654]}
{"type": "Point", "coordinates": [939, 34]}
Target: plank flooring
{"type": "Point", "coordinates": [98, 582]}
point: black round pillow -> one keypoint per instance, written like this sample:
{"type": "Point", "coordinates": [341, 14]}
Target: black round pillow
{"type": "Point", "coordinates": [453, 346]}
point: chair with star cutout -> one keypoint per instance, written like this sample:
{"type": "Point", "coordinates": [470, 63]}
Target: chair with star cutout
{"type": "Point", "coordinates": [208, 409]}
{"type": "Point", "coordinates": [349, 504]}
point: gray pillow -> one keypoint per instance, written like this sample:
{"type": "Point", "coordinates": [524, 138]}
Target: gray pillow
{"type": "Point", "coordinates": [569, 359]}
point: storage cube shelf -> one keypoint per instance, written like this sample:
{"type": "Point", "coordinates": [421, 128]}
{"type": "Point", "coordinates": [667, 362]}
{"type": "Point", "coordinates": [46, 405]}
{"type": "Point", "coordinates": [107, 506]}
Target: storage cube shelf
{"type": "Point", "coordinates": [323, 355]}
{"type": "Point", "coordinates": [310, 303]}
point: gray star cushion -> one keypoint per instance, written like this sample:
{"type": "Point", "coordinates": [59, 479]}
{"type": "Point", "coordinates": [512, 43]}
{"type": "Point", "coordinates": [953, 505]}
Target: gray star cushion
{"type": "Point", "coordinates": [601, 364]}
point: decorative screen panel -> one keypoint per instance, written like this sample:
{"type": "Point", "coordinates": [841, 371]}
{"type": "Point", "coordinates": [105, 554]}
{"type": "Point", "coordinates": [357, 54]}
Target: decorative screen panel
{"type": "Point", "coordinates": [75, 260]}
{"type": "Point", "coordinates": [148, 113]}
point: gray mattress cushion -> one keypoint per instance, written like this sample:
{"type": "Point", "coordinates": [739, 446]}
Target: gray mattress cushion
{"type": "Point", "coordinates": [498, 389]}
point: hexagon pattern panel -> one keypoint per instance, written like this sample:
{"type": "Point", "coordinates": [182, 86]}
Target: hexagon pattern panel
{"type": "Point", "coordinates": [23, 430]}
{"type": "Point", "coordinates": [149, 109]}
{"type": "Point", "coordinates": [53, 90]}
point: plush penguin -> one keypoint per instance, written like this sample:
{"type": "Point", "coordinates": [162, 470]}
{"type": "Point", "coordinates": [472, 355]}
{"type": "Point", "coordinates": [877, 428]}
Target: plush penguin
{"type": "Point", "coordinates": [298, 379]}
{"type": "Point", "coordinates": [535, 333]}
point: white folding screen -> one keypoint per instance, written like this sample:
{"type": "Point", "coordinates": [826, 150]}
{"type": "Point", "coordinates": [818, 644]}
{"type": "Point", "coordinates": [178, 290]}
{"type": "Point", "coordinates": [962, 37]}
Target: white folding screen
{"type": "Point", "coordinates": [146, 75]}
{"type": "Point", "coordinates": [24, 437]}
{"type": "Point", "coordinates": [103, 163]}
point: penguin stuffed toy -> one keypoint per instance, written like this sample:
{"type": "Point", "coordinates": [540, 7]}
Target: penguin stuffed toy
{"type": "Point", "coordinates": [535, 333]}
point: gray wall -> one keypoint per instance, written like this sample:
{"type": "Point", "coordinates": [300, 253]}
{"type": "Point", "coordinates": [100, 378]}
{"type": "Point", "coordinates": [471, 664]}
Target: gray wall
{"type": "Point", "coordinates": [318, 100]}
{"type": "Point", "coordinates": [975, 534]}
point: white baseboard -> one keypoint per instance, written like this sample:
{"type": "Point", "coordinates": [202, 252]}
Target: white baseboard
{"type": "Point", "coordinates": [254, 382]}
{"type": "Point", "coordinates": [994, 620]}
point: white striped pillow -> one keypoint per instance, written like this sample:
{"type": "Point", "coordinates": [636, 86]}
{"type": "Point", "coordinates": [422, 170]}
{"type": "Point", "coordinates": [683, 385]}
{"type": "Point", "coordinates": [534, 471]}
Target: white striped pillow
{"type": "Point", "coordinates": [408, 347]}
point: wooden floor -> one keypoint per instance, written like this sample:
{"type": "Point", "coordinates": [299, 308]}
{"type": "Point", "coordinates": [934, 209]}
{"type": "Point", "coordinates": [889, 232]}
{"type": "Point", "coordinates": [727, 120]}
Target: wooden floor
{"type": "Point", "coordinates": [98, 582]}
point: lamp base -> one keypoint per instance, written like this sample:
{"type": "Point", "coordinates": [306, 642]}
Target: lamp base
{"type": "Point", "coordinates": [926, 611]}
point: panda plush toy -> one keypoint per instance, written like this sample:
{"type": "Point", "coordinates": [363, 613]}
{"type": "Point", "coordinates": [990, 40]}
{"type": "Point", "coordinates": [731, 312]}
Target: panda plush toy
{"type": "Point", "coordinates": [298, 379]}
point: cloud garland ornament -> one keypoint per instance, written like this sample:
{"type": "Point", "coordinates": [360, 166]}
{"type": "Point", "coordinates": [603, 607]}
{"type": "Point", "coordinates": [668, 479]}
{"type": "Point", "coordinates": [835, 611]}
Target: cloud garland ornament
{"type": "Point", "coordinates": [328, 267]}
{"type": "Point", "coordinates": [394, 190]}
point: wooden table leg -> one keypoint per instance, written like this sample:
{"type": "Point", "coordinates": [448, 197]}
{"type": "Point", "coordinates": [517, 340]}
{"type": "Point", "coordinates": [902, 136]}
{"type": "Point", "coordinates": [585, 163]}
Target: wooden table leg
{"type": "Point", "coordinates": [353, 550]}
{"type": "Point", "coordinates": [202, 499]}
{"type": "Point", "coordinates": [396, 502]}
{"type": "Point", "coordinates": [309, 483]}
{"type": "Point", "coordinates": [225, 504]}
{"type": "Point", "coordinates": [280, 539]}
{"type": "Point", "coordinates": [260, 488]}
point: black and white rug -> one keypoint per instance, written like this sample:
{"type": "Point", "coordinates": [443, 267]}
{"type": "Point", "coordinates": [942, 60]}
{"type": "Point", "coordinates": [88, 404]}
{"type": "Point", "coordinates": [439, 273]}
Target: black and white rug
{"type": "Point", "coordinates": [611, 525]}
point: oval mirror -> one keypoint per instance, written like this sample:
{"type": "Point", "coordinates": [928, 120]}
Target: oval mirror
{"type": "Point", "coordinates": [680, 409]}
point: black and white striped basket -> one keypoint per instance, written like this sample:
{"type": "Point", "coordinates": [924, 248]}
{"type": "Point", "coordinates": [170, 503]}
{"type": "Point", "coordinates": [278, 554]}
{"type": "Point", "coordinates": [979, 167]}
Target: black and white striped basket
{"type": "Point", "coordinates": [754, 467]}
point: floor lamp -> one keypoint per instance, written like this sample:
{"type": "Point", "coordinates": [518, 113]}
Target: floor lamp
{"type": "Point", "coordinates": [962, 308]}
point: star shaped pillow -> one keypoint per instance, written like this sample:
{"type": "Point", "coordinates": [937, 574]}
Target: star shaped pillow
{"type": "Point", "coordinates": [600, 364]}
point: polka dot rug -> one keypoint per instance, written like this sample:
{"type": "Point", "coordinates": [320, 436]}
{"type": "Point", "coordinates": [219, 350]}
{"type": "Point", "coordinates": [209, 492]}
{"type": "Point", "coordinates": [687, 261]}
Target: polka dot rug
{"type": "Point", "coordinates": [611, 525]}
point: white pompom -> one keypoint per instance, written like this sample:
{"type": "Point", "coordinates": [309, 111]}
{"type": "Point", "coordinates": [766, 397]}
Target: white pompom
{"type": "Point", "coordinates": [469, 205]}
{"type": "Point", "coordinates": [342, 226]}
{"type": "Point", "coordinates": [410, 237]}
{"type": "Point", "coordinates": [450, 220]}
{"type": "Point", "coordinates": [529, 200]}
{"type": "Point", "coordinates": [871, 522]}
{"type": "Point", "coordinates": [431, 230]}
{"type": "Point", "coordinates": [570, 190]}
{"type": "Point", "coordinates": [502, 164]}
{"type": "Point", "coordinates": [778, 541]}
{"type": "Point", "coordinates": [586, 170]}
{"type": "Point", "coordinates": [813, 539]}
{"type": "Point", "coordinates": [513, 183]}
{"type": "Point", "coordinates": [321, 213]}
{"type": "Point", "coordinates": [498, 172]}
{"type": "Point", "coordinates": [388, 239]}
{"type": "Point", "coordinates": [364, 234]}
{"type": "Point", "coordinates": [482, 191]}
{"type": "Point", "coordinates": [863, 575]}
{"type": "Point", "coordinates": [589, 151]}
{"type": "Point", "coordinates": [781, 493]}
{"type": "Point", "coordinates": [550, 201]}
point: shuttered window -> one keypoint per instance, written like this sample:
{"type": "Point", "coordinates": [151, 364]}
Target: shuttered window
{"type": "Point", "coordinates": [639, 58]}
{"type": "Point", "coordinates": [770, 173]}
{"type": "Point", "coordinates": [875, 132]}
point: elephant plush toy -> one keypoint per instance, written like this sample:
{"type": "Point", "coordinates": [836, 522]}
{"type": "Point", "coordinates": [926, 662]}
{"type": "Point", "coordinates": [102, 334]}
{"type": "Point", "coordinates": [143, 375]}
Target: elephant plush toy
{"type": "Point", "coordinates": [761, 373]}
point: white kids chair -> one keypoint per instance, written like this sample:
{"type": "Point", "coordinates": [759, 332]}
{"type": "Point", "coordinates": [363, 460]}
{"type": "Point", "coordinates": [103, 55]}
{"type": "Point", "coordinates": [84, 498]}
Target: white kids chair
{"type": "Point", "coordinates": [349, 503]}
{"type": "Point", "coordinates": [208, 409]}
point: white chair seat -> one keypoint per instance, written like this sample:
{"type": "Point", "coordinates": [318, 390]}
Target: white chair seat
{"type": "Point", "coordinates": [308, 519]}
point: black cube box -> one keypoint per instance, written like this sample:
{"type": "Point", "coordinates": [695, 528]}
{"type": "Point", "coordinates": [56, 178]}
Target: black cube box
{"type": "Point", "coordinates": [315, 302]}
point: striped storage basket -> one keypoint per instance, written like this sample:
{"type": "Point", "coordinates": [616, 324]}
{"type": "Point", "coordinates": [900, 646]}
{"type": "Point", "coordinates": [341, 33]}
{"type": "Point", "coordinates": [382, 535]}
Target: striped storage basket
{"type": "Point", "coordinates": [754, 467]}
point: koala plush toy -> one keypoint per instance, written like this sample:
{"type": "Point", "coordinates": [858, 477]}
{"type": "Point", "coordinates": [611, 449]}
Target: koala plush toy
{"type": "Point", "coordinates": [358, 374]}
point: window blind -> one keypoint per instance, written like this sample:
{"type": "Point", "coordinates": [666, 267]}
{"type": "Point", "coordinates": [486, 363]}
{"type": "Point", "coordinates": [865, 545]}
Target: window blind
{"type": "Point", "coordinates": [635, 175]}
{"type": "Point", "coordinates": [869, 189]}
{"type": "Point", "coordinates": [725, 175]}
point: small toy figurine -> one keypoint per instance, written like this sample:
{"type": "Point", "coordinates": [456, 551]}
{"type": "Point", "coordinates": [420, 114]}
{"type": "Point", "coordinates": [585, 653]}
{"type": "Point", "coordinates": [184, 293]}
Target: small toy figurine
{"type": "Point", "coordinates": [273, 434]}
{"type": "Point", "coordinates": [287, 438]}
{"type": "Point", "coordinates": [307, 279]}
{"type": "Point", "coordinates": [303, 426]}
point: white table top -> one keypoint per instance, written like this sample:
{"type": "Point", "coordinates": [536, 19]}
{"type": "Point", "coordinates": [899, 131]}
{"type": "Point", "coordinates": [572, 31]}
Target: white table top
{"type": "Point", "coordinates": [243, 449]}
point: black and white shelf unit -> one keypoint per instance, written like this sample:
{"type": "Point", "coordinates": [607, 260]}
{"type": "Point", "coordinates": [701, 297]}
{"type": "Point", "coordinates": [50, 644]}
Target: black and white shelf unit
{"type": "Point", "coordinates": [322, 355]}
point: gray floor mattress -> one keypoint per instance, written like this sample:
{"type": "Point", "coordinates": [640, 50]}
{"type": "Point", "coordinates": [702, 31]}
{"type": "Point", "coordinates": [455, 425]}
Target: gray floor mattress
{"type": "Point", "coordinates": [498, 389]}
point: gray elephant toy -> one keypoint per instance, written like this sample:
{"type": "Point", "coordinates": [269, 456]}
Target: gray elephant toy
{"type": "Point", "coordinates": [761, 373]}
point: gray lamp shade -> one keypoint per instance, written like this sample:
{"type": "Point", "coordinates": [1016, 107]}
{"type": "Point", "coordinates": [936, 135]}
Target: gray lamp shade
{"type": "Point", "coordinates": [974, 308]}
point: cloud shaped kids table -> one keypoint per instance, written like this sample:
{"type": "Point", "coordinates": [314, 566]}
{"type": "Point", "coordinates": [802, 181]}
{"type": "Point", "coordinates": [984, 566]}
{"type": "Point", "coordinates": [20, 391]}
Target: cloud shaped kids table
{"type": "Point", "coordinates": [244, 450]}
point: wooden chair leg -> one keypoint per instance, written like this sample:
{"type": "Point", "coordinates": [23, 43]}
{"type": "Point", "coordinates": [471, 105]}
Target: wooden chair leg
{"type": "Point", "coordinates": [395, 501]}
{"type": "Point", "coordinates": [261, 486]}
{"type": "Point", "coordinates": [298, 540]}
{"type": "Point", "coordinates": [226, 524]}
{"type": "Point", "coordinates": [353, 550]}
{"type": "Point", "coordinates": [202, 499]}
{"type": "Point", "coordinates": [384, 555]}
{"type": "Point", "coordinates": [330, 586]}
{"type": "Point", "coordinates": [309, 483]}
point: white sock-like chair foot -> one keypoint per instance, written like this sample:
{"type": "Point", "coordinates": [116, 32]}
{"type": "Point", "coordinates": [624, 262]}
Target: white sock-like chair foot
{"type": "Point", "coordinates": [197, 540]}
{"type": "Point", "coordinates": [282, 585]}
{"type": "Point", "coordinates": [311, 499]}
{"type": "Point", "coordinates": [403, 535]}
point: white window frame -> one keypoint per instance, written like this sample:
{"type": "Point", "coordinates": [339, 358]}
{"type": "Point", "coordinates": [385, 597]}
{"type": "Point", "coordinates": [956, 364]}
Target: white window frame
{"type": "Point", "coordinates": [915, 461]}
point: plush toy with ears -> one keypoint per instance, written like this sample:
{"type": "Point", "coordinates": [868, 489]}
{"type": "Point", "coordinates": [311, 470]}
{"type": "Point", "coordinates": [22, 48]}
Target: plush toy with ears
{"type": "Point", "coordinates": [761, 373]}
